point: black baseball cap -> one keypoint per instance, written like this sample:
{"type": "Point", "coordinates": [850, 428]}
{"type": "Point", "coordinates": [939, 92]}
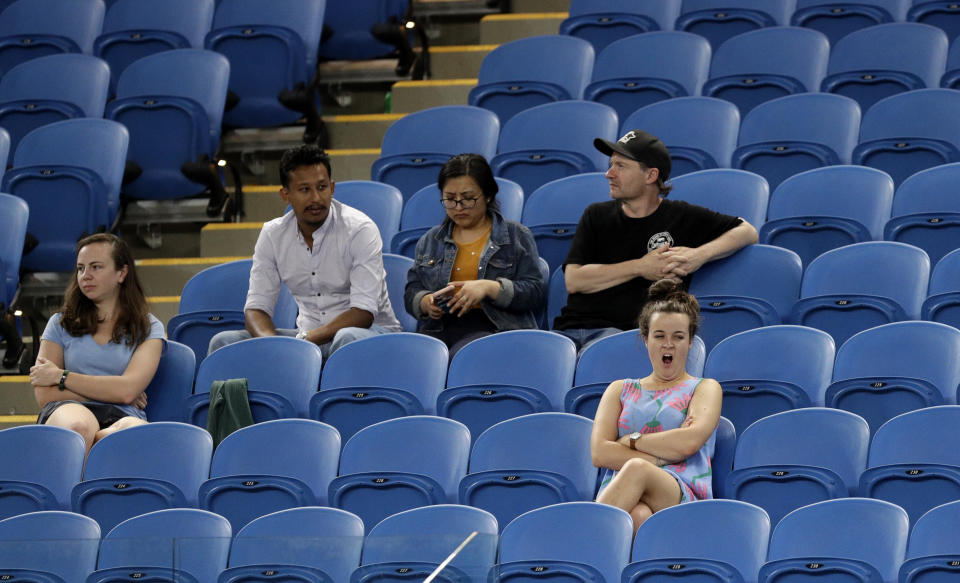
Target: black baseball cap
{"type": "Point", "coordinates": [641, 146]}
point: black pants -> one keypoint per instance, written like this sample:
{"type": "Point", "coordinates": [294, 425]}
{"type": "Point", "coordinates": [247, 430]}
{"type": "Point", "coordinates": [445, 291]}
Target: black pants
{"type": "Point", "coordinates": [459, 331]}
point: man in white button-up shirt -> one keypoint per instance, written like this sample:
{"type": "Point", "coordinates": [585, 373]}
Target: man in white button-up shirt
{"type": "Point", "coordinates": [329, 257]}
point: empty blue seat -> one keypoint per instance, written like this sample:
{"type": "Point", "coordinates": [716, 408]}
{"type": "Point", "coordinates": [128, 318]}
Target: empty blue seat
{"type": "Point", "coordinates": [734, 550]}
{"type": "Point", "coordinates": [411, 544]}
{"type": "Point", "coordinates": [913, 462]}
{"type": "Point", "coordinates": [172, 384]}
{"type": "Point", "coordinates": [860, 286]}
{"type": "Point", "coordinates": [271, 466]}
{"type": "Point", "coordinates": [42, 463]}
{"type": "Point", "coordinates": [400, 464]}
{"type": "Point", "coordinates": [939, 13]}
{"type": "Point", "coordinates": [943, 295]}
{"type": "Point", "coordinates": [552, 212]}
{"type": "Point", "coordinates": [531, 157]}
{"type": "Point", "coordinates": [888, 370]}
{"type": "Point", "coordinates": [764, 64]}
{"type": "Point", "coordinates": [71, 169]}
{"type": "Point", "coordinates": [410, 371]}
{"type": "Point", "coordinates": [280, 390]}
{"type": "Point", "coordinates": [721, 464]}
{"type": "Point", "coordinates": [506, 375]}
{"type": "Point", "coordinates": [838, 18]}
{"type": "Point", "coordinates": [350, 24]}
{"type": "Point", "coordinates": [951, 77]}
{"type": "Point", "coordinates": [602, 22]}
{"type": "Point", "coordinates": [826, 208]}
{"type": "Point", "coordinates": [932, 541]}
{"type": "Point", "coordinates": [909, 132]}
{"type": "Point", "coordinates": [798, 457]}
{"type": "Point", "coordinates": [613, 358]}
{"type": "Point", "coordinates": [876, 62]}
{"type": "Point", "coordinates": [50, 89]}
{"type": "Point", "coordinates": [769, 370]}
{"type": "Point", "coordinates": [552, 466]}
{"type": "Point", "coordinates": [733, 192]}
{"type": "Point", "coordinates": [133, 29]}
{"type": "Point", "coordinates": [48, 547]}
{"type": "Point", "coordinates": [397, 267]}
{"type": "Point", "coordinates": [416, 146]}
{"type": "Point", "coordinates": [556, 297]}
{"type": "Point", "coordinates": [788, 135]}
{"type": "Point", "coordinates": [718, 20]}
{"type": "Point", "coordinates": [926, 212]}
{"type": "Point", "coordinates": [36, 28]}
{"type": "Point", "coordinates": [756, 286]}
{"type": "Point", "coordinates": [532, 71]}
{"type": "Point", "coordinates": [855, 539]}
{"type": "Point", "coordinates": [675, 64]}
{"type": "Point", "coordinates": [573, 541]}
{"type": "Point", "coordinates": [381, 202]}
{"type": "Point", "coordinates": [700, 132]}
{"type": "Point", "coordinates": [142, 469]}
{"type": "Point", "coordinates": [15, 215]}
{"type": "Point", "coordinates": [172, 102]}
{"type": "Point", "coordinates": [300, 544]}
{"type": "Point", "coordinates": [179, 544]}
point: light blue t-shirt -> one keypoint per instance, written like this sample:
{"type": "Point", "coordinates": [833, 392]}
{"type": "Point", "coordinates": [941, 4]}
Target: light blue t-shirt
{"type": "Point", "coordinates": [83, 355]}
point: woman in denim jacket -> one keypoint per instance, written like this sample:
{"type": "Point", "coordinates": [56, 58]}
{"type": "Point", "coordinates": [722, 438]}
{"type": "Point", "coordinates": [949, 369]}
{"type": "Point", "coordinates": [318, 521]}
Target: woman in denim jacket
{"type": "Point", "coordinates": [475, 273]}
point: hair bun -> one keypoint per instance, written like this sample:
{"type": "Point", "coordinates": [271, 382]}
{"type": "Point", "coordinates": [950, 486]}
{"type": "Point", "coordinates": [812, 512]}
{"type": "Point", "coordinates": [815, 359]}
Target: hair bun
{"type": "Point", "coordinates": [663, 289]}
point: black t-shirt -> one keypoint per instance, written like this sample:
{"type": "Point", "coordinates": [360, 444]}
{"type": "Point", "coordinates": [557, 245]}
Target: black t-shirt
{"type": "Point", "coordinates": [606, 235]}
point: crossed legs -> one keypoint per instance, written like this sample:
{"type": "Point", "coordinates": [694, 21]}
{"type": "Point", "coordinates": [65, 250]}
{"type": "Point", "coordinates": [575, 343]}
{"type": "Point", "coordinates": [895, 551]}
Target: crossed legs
{"type": "Point", "coordinates": [78, 418]}
{"type": "Point", "coordinates": [641, 488]}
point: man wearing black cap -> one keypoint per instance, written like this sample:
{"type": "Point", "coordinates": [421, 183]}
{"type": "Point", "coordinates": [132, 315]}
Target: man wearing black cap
{"type": "Point", "coordinates": [623, 245]}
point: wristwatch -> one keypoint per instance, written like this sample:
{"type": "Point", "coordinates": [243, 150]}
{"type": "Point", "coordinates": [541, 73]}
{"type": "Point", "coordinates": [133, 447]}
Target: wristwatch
{"type": "Point", "coordinates": [302, 335]}
{"type": "Point", "coordinates": [63, 379]}
{"type": "Point", "coordinates": [634, 438]}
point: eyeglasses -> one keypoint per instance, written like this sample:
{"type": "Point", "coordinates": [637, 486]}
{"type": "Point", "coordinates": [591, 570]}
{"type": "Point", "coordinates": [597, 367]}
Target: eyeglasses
{"type": "Point", "coordinates": [464, 203]}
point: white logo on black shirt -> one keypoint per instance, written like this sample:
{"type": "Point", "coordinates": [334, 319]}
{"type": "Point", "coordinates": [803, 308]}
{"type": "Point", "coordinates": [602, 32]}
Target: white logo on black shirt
{"type": "Point", "coordinates": [661, 239]}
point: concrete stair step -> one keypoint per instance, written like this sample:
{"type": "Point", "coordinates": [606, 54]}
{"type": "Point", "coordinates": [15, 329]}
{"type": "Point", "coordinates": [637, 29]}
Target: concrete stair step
{"type": "Point", "coordinates": [16, 398]}
{"type": "Point", "coordinates": [410, 96]}
{"type": "Point", "coordinates": [166, 277]}
{"type": "Point", "coordinates": [217, 239]}
{"type": "Point", "coordinates": [501, 28]}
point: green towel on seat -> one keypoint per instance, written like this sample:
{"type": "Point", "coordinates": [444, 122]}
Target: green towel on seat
{"type": "Point", "coordinates": [229, 408]}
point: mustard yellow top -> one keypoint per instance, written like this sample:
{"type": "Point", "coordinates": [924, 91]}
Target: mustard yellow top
{"type": "Point", "coordinates": [467, 264]}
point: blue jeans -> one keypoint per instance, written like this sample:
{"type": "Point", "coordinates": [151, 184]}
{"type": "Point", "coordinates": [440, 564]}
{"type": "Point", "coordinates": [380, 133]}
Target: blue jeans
{"type": "Point", "coordinates": [584, 337]}
{"type": "Point", "coordinates": [343, 337]}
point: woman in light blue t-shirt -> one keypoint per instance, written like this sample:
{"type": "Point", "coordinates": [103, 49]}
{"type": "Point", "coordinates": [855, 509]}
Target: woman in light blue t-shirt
{"type": "Point", "coordinates": [101, 350]}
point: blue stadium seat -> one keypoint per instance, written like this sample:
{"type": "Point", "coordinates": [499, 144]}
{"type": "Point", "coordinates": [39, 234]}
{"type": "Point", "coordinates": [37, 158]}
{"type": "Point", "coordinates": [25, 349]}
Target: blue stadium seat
{"type": "Point", "coordinates": [300, 544]}
{"type": "Point", "coordinates": [400, 464]}
{"type": "Point", "coordinates": [142, 469]}
{"type": "Point", "coordinates": [48, 547]}
{"type": "Point", "coordinates": [71, 169]}
{"type": "Point", "coordinates": [857, 540]}
{"type": "Point", "coordinates": [785, 136]}
{"type": "Point", "coordinates": [172, 384]}
{"type": "Point", "coordinates": [675, 64]}
{"type": "Point", "coordinates": [943, 295]}
{"type": "Point", "coordinates": [734, 192]}
{"type": "Point", "coordinates": [416, 146]}
{"type": "Point", "coordinates": [532, 71]}
{"type": "Point", "coordinates": [838, 18]}
{"type": "Point", "coordinates": [556, 296]}
{"type": "Point", "coordinates": [888, 370]}
{"type": "Point", "coordinates": [553, 211]}
{"type": "Point", "coordinates": [700, 132]}
{"type": "Point", "coordinates": [42, 463]}
{"type": "Point", "coordinates": [764, 64]}
{"type": "Point", "coordinates": [410, 371]}
{"type": "Point", "coordinates": [721, 464]}
{"type": "Point", "coordinates": [397, 267]}
{"type": "Point", "coordinates": [883, 60]}
{"type": "Point", "coordinates": [350, 26]}
{"type": "Point", "coordinates": [798, 457]}
{"type": "Point", "coordinates": [212, 301]}
{"type": "Point", "coordinates": [36, 28]}
{"type": "Point", "coordinates": [926, 212]}
{"type": "Point", "coordinates": [734, 550]}
{"type": "Point", "coordinates": [860, 286]}
{"type": "Point", "coordinates": [506, 375]}
{"type": "Point", "coordinates": [574, 541]}
{"type": "Point", "coordinates": [4, 150]}
{"type": "Point", "coordinates": [951, 77]}
{"type": "Point", "coordinates": [616, 357]}
{"type": "Point", "coordinates": [826, 208]}
{"type": "Point", "coordinates": [133, 29]}
{"type": "Point", "coordinates": [280, 390]}
{"type": "Point", "coordinates": [718, 20]}
{"type": "Point", "coordinates": [602, 22]}
{"type": "Point", "coordinates": [757, 286]}
{"type": "Point", "coordinates": [271, 466]}
{"type": "Point", "coordinates": [411, 544]}
{"type": "Point", "coordinates": [939, 13]}
{"type": "Point", "coordinates": [172, 102]}
{"type": "Point", "coordinates": [16, 216]}
{"type": "Point", "coordinates": [553, 466]}
{"type": "Point", "coordinates": [932, 541]}
{"type": "Point", "coordinates": [909, 132]}
{"type": "Point", "coordinates": [272, 48]}
{"type": "Point", "coordinates": [913, 462]}
{"type": "Point", "coordinates": [178, 544]}
{"type": "Point", "coordinates": [381, 202]}
{"type": "Point", "coordinates": [531, 157]}
{"type": "Point", "coordinates": [50, 89]}
{"type": "Point", "coordinates": [769, 370]}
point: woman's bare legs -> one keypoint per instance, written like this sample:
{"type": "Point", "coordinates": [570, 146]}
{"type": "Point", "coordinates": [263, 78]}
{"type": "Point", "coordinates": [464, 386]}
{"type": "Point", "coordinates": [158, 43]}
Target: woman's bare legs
{"type": "Point", "coordinates": [119, 424]}
{"type": "Point", "coordinates": [77, 418]}
{"type": "Point", "coordinates": [641, 488]}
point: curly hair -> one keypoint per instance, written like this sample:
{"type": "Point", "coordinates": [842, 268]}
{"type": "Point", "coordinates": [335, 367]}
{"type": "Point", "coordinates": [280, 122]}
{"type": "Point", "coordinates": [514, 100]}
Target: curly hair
{"type": "Point", "coordinates": [667, 296]}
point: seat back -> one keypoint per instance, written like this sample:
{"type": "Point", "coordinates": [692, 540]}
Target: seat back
{"type": "Point", "coordinates": [719, 20]}
{"type": "Point", "coordinates": [951, 77]}
{"type": "Point", "coordinates": [224, 287]}
{"type": "Point", "coordinates": [48, 546]}
{"type": "Point", "coordinates": [381, 202]}
{"type": "Point", "coordinates": [16, 214]}
{"type": "Point", "coordinates": [351, 24]}
{"type": "Point", "coordinates": [734, 192]}
{"type": "Point", "coordinates": [931, 534]}
{"type": "Point", "coordinates": [936, 13]}
{"type": "Point", "coordinates": [397, 267]}
{"type": "Point", "coordinates": [838, 19]}
{"type": "Point", "coordinates": [605, 21]}
{"type": "Point", "coordinates": [35, 28]}
{"type": "Point", "coordinates": [926, 213]}
{"type": "Point", "coordinates": [172, 383]}
{"type": "Point", "coordinates": [39, 455]}
{"type": "Point", "coordinates": [943, 295]}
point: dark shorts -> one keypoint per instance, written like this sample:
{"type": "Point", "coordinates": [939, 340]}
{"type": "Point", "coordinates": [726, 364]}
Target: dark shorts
{"type": "Point", "coordinates": [105, 413]}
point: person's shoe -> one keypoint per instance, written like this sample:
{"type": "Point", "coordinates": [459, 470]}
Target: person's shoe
{"type": "Point", "coordinates": [15, 348]}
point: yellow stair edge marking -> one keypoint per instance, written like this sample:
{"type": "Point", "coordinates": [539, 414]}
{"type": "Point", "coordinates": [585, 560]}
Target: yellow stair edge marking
{"type": "Point", "coordinates": [437, 83]}
{"type": "Point", "coordinates": [524, 16]}
{"type": "Point", "coordinates": [18, 418]}
{"type": "Point", "coordinates": [187, 261]}
{"type": "Point", "coordinates": [463, 49]}
{"type": "Point", "coordinates": [231, 226]}
{"type": "Point", "coordinates": [354, 152]}
{"type": "Point", "coordinates": [363, 117]}
{"type": "Point", "coordinates": [163, 299]}
{"type": "Point", "coordinates": [15, 378]}
{"type": "Point", "coordinates": [268, 188]}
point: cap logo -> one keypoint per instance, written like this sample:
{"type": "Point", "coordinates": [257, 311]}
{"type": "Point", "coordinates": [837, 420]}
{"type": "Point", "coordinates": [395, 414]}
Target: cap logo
{"type": "Point", "coordinates": [627, 137]}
